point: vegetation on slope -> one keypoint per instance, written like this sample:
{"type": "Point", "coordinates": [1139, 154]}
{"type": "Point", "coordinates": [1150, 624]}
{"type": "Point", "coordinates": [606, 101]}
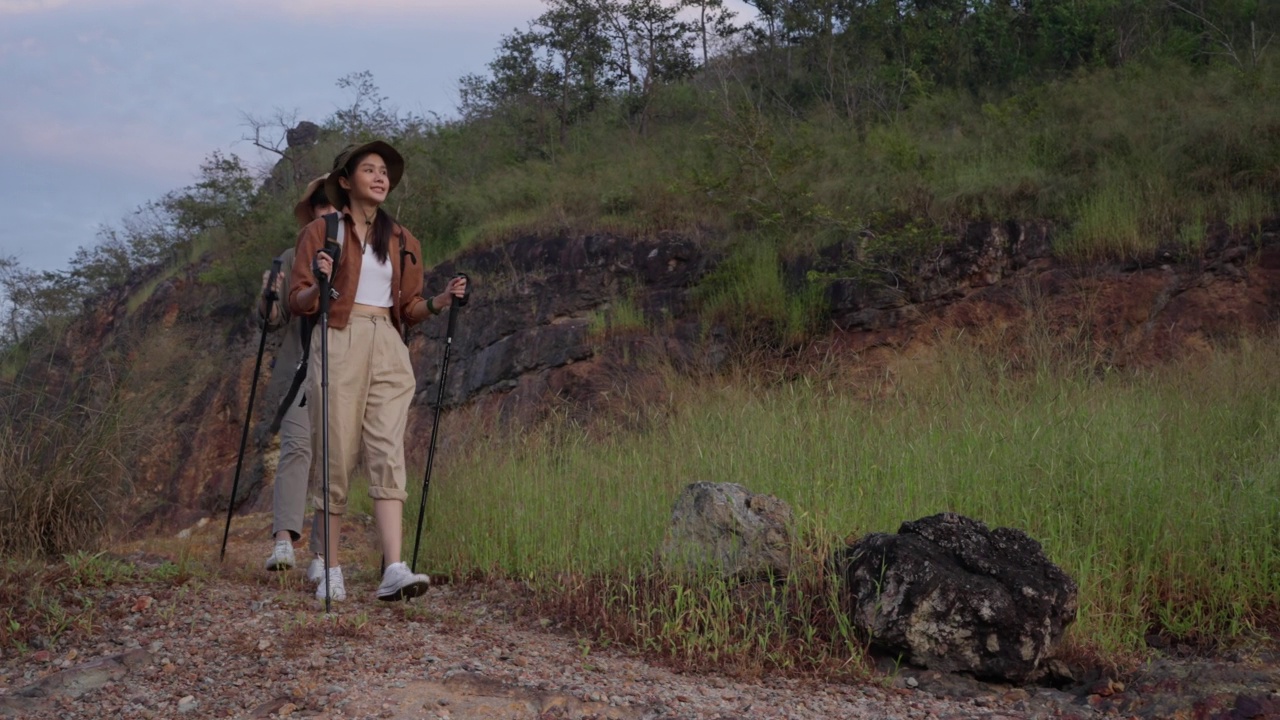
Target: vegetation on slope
{"type": "Point", "coordinates": [1136, 127]}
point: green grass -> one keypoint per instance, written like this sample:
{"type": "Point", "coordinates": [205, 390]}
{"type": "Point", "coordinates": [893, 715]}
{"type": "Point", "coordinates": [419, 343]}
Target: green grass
{"type": "Point", "coordinates": [1109, 224]}
{"type": "Point", "coordinates": [139, 297]}
{"type": "Point", "coordinates": [1123, 161]}
{"type": "Point", "coordinates": [620, 316]}
{"type": "Point", "coordinates": [12, 360]}
{"type": "Point", "coordinates": [1158, 491]}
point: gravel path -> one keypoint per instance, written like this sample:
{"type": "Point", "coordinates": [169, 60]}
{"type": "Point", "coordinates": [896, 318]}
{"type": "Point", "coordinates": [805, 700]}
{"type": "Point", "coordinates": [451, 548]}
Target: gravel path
{"type": "Point", "coordinates": [242, 643]}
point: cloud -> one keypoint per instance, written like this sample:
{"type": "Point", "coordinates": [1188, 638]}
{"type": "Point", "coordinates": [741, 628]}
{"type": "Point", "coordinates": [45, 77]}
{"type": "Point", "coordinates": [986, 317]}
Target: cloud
{"type": "Point", "coordinates": [35, 7]}
{"type": "Point", "coordinates": [133, 149]}
{"type": "Point", "coordinates": [21, 7]}
{"type": "Point", "coordinates": [27, 46]}
{"type": "Point", "coordinates": [297, 9]}
{"type": "Point", "coordinates": [391, 11]}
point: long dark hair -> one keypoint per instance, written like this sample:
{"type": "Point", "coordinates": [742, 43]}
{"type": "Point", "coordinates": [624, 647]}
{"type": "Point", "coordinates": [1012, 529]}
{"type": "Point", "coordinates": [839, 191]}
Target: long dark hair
{"type": "Point", "coordinates": [384, 226]}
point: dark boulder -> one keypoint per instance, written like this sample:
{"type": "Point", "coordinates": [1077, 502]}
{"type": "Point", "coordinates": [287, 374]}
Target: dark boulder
{"type": "Point", "coordinates": [303, 135]}
{"type": "Point", "coordinates": [948, 593]}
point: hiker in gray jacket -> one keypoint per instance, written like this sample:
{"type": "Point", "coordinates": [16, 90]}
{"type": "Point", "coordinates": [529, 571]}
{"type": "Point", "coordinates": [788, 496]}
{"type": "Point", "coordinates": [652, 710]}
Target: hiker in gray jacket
{"type": "Point", "coordinates": [293, 472]}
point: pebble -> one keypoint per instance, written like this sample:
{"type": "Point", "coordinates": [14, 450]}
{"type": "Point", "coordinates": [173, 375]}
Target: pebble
{"type": "Point", "coordinates": [187, 704]}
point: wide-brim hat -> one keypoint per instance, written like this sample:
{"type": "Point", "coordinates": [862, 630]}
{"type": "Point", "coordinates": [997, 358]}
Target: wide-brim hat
{"type": "Point", "coordinates": [302, 210]}
{"type": "Point", "coordinates": [393, 159]}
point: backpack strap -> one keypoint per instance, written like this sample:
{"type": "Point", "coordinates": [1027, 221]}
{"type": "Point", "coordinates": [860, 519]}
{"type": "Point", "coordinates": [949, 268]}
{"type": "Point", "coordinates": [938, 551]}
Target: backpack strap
{"type": "Point", "coordinates": [404, 253]}
{"type": "Point", "coordinates": [333, 232]}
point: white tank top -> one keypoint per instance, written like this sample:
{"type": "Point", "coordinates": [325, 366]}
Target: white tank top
{"type": "Point", "coordinates": [375, 280]}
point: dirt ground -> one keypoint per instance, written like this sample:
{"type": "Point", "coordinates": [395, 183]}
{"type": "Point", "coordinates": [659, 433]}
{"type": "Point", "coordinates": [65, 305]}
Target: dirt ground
{"type": "Point", "coordinates": [232, 640]}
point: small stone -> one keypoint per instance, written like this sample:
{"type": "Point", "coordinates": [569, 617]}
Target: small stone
{"type": "Point", "coordinates": [41, 656]}
{"type": "Point", "coordinates": [263, 644]}
{"type": "Point", "coordinates": [442, 702]}
{"type": "Point", "coordinates": [912, 683]}
{"type": "Point", "coordinates": [187, 704]}
{"type": "Point", "coordinates": [335, 690]}
{"type": "Point", "coordinates": [286, 709]}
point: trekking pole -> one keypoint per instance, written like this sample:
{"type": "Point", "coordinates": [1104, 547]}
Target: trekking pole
{"type": "Point", "coordinates": [333, 250]}
{"type": "Point", "coordinates": [269, 296]}
{"type": "Point", "coordinates": [435, 424]}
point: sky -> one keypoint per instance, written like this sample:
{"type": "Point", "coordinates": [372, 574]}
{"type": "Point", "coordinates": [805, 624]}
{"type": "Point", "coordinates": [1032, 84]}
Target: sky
{"type": "Point", "coordinates": [108, 104]}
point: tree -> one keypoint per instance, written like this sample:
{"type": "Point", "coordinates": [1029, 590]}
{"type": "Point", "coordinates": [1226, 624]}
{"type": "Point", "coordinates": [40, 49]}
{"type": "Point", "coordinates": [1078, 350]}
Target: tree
{"type": "Point", "coordinates": [1238, 30]}
{"type": "Point", "coordinates": [31, 300]}
{"type": "Point", "coordinates": [369, 116]}
{"type": "Point", "coordinates": [557, 66]}
{"type": "Point", "coordinates": [271, 134]}
{"type": "Point", "coordinates": [714, 22]}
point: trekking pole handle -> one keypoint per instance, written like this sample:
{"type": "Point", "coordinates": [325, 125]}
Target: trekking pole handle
{"type": "Point", "coordinates": [466, 294]}
{"type": "Point", "coordinates": [269, 292]}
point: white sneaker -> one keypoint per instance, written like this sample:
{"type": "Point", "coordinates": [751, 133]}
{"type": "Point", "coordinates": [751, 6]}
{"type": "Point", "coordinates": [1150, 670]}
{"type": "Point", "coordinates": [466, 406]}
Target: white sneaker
{"type": "Point", "coordinates": [337, 589]}
{"type": "Point", "coordinates": [315, 571]}
{"type": "Point", "coordinates": [281, 556]}
{"type": "Point", "coordinates": [400, 583]}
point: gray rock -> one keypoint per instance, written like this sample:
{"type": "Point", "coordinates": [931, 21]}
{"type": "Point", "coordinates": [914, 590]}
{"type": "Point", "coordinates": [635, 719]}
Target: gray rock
{"type": "Point", "coordinates": [727, 529]}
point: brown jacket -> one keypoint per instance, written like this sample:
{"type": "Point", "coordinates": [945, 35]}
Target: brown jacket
{"type": "Point", "coordinates": [407, 304]}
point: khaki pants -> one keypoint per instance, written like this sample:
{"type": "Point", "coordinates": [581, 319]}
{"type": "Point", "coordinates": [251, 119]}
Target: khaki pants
{"type": "Point", "coordinates": [370, 387]}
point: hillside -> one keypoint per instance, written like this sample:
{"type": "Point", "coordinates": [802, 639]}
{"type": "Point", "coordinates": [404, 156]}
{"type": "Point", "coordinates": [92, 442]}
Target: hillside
{"type": "Point", "coordinates": [943, 273]}
{"type": "Point", "coordinates": [566, 322]}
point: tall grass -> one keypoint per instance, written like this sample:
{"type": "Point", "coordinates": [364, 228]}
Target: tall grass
{"type": "Point", "coordinates": [1157, 490]}
{"type": "Point", "coordinates": [62, 471]}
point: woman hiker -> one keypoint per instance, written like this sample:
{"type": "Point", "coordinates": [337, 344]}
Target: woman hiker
{"type": "Point", "coordinates": [289, 494]}
{"type": "Point", "coordinates": [378, 284]}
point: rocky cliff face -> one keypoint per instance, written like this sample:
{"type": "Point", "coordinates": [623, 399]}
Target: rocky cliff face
{"type": "Point", "coordinates": [182, 363]}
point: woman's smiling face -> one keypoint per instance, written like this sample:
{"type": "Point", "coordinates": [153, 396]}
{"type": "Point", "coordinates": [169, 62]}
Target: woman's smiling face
{"type": "Point", "coordinates": [368, 182]}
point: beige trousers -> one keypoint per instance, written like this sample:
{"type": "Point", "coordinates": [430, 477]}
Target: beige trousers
{"type": "Point", "coordinates": [370, 387]}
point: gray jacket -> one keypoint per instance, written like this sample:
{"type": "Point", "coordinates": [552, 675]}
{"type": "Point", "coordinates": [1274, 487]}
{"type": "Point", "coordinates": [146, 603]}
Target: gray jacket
{"type": "Point", "coordinates": [290, 352]}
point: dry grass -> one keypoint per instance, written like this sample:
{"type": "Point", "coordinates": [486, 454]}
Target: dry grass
{"type": "Point", "coordinates": [62, 471]}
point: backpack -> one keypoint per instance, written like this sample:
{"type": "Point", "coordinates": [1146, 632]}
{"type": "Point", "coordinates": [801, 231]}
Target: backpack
{"type": "Point", "coordinates": [333, 232]}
